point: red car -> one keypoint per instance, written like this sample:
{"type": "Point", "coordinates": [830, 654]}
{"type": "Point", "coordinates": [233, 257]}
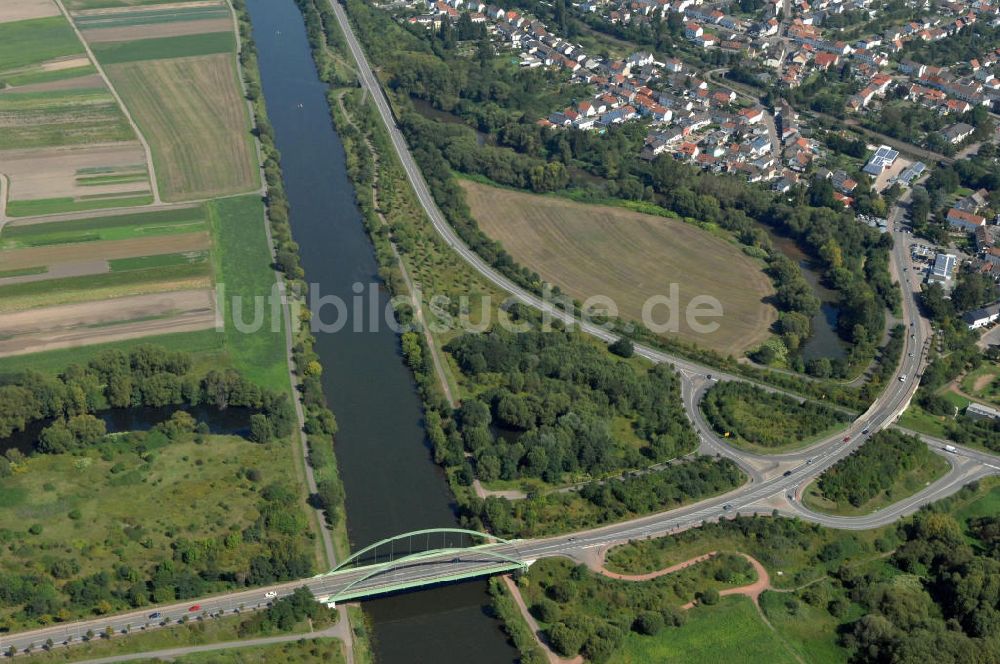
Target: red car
{"type": "Point", "coordinates": [196, 607]}
{"type": "Point", "coordinates": [847, 439]}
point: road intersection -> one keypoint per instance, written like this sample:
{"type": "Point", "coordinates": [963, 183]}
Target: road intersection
{"type": "Point", "coordinates": [771, 478]}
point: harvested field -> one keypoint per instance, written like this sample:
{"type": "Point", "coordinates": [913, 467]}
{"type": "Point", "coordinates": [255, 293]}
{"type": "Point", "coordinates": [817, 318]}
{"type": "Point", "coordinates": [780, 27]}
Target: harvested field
{"type": "Point", "coordinates": [192, 112]}
{"type": "Point", "coordinates": [21, 10]}
{"type": "Point", "coordinates": [107, 251]}
{"type": "Point", "coordinates": [61, 271]}
{"type": "Point", "coordinates": [156, 30]}
{"type": "Point", "coordinates": [88, 323]}
{"type": "Point", "coordinates": [592, 250]}
{"type": "Point", "coordinates": [55, 172]}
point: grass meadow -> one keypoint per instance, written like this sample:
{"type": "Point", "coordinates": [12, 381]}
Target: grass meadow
{"type": "Point", "coordinates": [243, 264]}
{"type": "Point", "coordinates": [731, 632]}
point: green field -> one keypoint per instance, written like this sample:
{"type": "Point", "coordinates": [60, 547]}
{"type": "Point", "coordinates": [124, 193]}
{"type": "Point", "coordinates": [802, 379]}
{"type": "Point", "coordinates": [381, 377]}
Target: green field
{"type": "Point", "coordinates": [160, 260]}
{"type": "Point", "coordinates": [80, 5]}
{"type": "Point", "coordinates": [731, 632]}
{"type": "Point", "coordinates": [24, 43]}
{"type": "Point", "coordinates": [243, 267]}
{"type": "Point", "coordinates": [164, 47]}
{"type": "Point", "coordinates": [809, 631]}
{"type": "Point", "coordinates": [61, 117]}
{"type": "Point", "coordinates": [39, 75]}
{"type": "Point", "coordinates": [93, 229]}
{"type": "Point", "coordinates": [984, 383]}
{"type": "Point", "coordinates": [23, 272]}
{"type": "Point", "coordinates": [61, 205]}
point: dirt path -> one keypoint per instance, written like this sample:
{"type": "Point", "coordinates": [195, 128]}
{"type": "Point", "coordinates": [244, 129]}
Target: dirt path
{"type": "Point", "coordinates": [658, 573]}
{"type": "Point", "coordinates": [114, 93]}
{"type": "Point", "coordinates": [533, 625]}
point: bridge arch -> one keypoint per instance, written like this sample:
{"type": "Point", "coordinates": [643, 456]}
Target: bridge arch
{"type": "Point", "coordinates": [427, 531]}
{"type": "Point", "coordinates": [506, 562]}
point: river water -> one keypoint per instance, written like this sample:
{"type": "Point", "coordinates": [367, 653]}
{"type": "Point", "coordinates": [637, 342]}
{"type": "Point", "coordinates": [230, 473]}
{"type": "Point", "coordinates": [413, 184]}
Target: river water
{"type": "Point", "coordinates": [391, 482]}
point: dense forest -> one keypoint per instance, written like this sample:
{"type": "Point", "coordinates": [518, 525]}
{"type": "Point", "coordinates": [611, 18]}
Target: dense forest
{"type": "Point", "coordinates": [553, 406]}
{"type": "Point", "coordinates": [873, 468]}
{"type": "Point", "coordinates": [770, 419]}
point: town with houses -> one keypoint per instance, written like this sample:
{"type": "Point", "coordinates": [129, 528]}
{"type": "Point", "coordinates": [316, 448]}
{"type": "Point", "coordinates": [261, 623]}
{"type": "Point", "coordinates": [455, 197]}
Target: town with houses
{"type": "Point", "coordinates": [709, 122]}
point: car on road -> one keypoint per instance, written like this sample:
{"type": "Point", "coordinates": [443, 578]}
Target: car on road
{"type": "Point", "coordinates": [271, 594]}
{"type": "Point", "coordinates": [155, 615]}
{"type": "Point", "coordinates": [902, 379]}
{"type": "Point", "coordinates": [727, 507]}
{"type": "Point", "coordinates": [865, 431]}
{"type": "Point", "coordinates": [847, 439]}
{"type": "Point", "coordinates": [950, 448]}
{"type": "Point", "coordinates": [196, 607]}
{"type": "Point", "coordinates": [786, 473]}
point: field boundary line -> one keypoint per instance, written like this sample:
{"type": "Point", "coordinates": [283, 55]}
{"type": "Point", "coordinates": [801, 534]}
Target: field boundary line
{"type": "Point", "coordinates": [153, 186]}
{"type": "Point", "coordinates": [4, 193]}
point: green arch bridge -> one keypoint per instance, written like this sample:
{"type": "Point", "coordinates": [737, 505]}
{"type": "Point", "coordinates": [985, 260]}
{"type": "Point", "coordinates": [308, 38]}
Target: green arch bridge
{"type": "Point", "coordinates": [365, 575]}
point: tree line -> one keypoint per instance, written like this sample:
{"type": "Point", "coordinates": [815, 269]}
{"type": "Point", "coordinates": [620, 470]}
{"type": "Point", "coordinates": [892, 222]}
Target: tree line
{"type": "Point", "coordinates": [146, 375]}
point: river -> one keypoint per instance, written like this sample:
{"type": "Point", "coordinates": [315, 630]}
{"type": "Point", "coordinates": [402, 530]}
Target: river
{"type": "Point", "coordinates": [391, 482]}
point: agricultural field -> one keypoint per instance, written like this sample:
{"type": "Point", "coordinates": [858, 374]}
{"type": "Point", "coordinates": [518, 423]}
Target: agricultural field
{"type": "Point", "coordinates": [192, 112]}
{"type": "Point", "coordinates": [590, 250]}
{"type": "Point", "coordinates": [23, 10]}
{"type": "Point", "coordinates": [157, 21]}
{"type": "Point", "coordinates": [174, 66]}
{"type": "Point", "coordinates": [103, 279]}
{"type": "Point", "coordinates": [65, 144]}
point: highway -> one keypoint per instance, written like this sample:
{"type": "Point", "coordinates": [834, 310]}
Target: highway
{"type": "Point", "coordinates": [772, 479]}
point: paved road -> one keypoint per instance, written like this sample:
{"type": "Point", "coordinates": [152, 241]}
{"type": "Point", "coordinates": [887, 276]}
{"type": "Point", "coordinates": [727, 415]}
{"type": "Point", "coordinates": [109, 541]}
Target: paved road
{"type": "Point", "coordinates": [170, 654]}
{"type": "Point", "coordinates": [768, 489]}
